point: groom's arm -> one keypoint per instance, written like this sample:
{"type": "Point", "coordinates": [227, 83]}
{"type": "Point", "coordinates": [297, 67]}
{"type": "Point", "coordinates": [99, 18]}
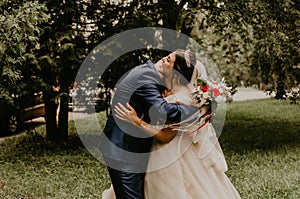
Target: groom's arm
{"type": "Point", "coordinates": [151, 97]}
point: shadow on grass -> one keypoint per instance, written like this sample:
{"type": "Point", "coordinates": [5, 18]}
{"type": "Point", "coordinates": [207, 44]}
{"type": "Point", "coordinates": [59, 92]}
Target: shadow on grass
{"type": "Point", "coordinates": [24, 127]}
{"type": "Point", "coordinates": [33, 167]}
{"type": "Point", "coordinates": [267, 136]}
{"type": "Point", "coordinates": [30, 144]}
{"type": "Point", "coordinates": [261, 124]}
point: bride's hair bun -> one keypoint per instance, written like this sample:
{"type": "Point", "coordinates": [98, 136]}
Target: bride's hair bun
{"type": "Point", "coordinates": [185, 61]}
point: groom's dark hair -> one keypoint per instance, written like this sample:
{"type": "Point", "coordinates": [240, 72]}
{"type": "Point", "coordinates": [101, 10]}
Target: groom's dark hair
{"type": "Point", "coordinates": [185, 62]}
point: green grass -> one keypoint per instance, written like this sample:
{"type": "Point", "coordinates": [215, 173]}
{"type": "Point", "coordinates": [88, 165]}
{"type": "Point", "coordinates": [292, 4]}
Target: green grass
{"type": "Point", "coordinates": [260, 139]}
{"type": "Point", "coordinates": [31, 167]}
{"type": "Point", "coordinates": [261, 142]}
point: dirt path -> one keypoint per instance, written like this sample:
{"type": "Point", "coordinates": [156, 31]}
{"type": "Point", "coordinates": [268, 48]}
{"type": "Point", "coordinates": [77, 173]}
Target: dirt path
{"type": "Point", "coordinates": [249, 94]}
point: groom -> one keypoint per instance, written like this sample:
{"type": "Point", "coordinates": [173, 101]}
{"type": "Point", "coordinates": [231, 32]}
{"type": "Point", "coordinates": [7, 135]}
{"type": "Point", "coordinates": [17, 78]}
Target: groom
{"type": "Point", "coordinates": [125, 147]}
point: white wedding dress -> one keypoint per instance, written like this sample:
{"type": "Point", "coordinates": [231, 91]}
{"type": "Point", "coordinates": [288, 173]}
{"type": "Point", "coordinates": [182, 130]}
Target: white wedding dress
{"type": "Point", "coordinates": [188, 167]}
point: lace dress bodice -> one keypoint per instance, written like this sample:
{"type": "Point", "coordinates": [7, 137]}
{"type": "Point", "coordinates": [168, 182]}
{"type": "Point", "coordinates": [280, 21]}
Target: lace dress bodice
{"type": "Point", "coordinates": [180, 97]}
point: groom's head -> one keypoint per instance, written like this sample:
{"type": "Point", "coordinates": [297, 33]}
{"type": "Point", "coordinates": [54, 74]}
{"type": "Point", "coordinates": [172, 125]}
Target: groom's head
{"type": "Point", "coordinates": [179, 61]}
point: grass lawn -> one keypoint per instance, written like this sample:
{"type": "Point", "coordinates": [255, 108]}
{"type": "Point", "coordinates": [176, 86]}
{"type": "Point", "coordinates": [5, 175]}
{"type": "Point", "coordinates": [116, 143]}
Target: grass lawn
{"type": "Point", "coordinates": [260, 139]}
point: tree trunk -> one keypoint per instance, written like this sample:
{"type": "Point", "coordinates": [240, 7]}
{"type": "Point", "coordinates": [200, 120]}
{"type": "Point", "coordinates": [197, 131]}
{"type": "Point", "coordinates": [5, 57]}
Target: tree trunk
{"type": "Point", "coordinates": [51, 106]}
{"type": "Point", "coordinates": [280, 87]}
{"type": "Point", "coordinates": [63, 116]}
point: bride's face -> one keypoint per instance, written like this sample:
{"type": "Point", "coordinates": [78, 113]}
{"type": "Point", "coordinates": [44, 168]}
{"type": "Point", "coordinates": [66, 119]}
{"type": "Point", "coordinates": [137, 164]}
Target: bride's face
{"type": "Point", "coordinates": [167, 65]}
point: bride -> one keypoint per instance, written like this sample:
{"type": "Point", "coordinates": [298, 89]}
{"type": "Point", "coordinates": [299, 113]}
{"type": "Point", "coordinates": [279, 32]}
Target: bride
{"type": "Point", "coordinates": [181, 165]}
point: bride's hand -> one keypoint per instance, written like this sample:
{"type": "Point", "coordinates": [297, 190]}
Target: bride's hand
{"type": "Point", "coordinates": [128, 115]}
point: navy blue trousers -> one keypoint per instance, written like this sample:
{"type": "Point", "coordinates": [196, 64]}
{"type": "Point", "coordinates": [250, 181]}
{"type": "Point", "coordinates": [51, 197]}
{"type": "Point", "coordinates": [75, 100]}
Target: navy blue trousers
{"type": "Point", "coordinates": [127, 185]}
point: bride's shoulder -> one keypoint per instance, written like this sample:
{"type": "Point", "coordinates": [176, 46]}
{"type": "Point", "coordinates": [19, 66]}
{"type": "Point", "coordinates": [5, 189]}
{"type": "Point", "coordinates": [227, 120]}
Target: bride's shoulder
{"type": "Point", "coordinates": [184, 96]}
{"type": "Point", "coordinates": [184, 91]}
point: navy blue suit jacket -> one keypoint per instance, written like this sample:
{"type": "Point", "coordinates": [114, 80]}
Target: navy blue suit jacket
{"type": "Point", "coordinates": [125, 143]}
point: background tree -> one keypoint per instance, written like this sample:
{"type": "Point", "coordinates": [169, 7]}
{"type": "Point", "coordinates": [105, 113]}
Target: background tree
{"type": "Point", "coordinates": [117, 16]}
{"type": "Point", "coordinates": [19, 36]}
{"type": "Point", "coordinates": [60, 55]}
{"type": "Point", "coordinates": [271, 29]}
{"type": "Point", "coordinates": [249, 41]}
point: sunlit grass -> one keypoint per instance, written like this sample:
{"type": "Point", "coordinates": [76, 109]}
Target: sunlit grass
{"type": "Point", "coordinates": [31, 167]}
{"type": "Point", "coordinates": [260, 140]}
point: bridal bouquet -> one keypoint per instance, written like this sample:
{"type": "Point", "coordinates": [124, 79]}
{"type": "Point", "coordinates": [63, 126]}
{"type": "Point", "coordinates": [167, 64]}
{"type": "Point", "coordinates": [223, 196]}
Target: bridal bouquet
{"type": "Point", "coordinates": [207, 92]}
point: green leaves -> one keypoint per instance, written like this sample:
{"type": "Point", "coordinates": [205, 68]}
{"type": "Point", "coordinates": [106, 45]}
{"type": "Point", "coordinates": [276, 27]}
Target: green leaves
{"type": "Point", "coordinates": [266, 35]}
{"type": "Point", "coordinates": [19, 32]}
{"type": "Point", "coordinates": [9, 77]}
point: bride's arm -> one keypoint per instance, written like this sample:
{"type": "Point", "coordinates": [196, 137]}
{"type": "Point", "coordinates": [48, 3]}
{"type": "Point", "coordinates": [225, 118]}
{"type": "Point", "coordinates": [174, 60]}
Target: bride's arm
{"type": "Point", "coordinates": [129, 115]}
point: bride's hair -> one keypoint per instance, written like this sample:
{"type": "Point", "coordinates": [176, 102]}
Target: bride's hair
{"type": "Point", "coordinates": [185, 62]}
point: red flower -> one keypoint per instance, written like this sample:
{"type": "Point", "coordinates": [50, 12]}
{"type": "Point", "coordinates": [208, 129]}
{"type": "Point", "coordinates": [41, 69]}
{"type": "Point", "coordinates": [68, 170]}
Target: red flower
{"type": "Point", "coordinates": [205, 88]}
{"type": "Point", "coordinates": [214, 82]}
{"type": "Point", "coordinates": [216, 92]}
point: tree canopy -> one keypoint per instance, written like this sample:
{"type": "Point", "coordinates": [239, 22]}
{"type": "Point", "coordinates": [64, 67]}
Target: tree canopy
{"type": "Point", "coordinates": [19, 37]}
{"type": "Point", "coordinates": [43, 43]}
{"type": "Point", "coordinates": [270, 30]}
